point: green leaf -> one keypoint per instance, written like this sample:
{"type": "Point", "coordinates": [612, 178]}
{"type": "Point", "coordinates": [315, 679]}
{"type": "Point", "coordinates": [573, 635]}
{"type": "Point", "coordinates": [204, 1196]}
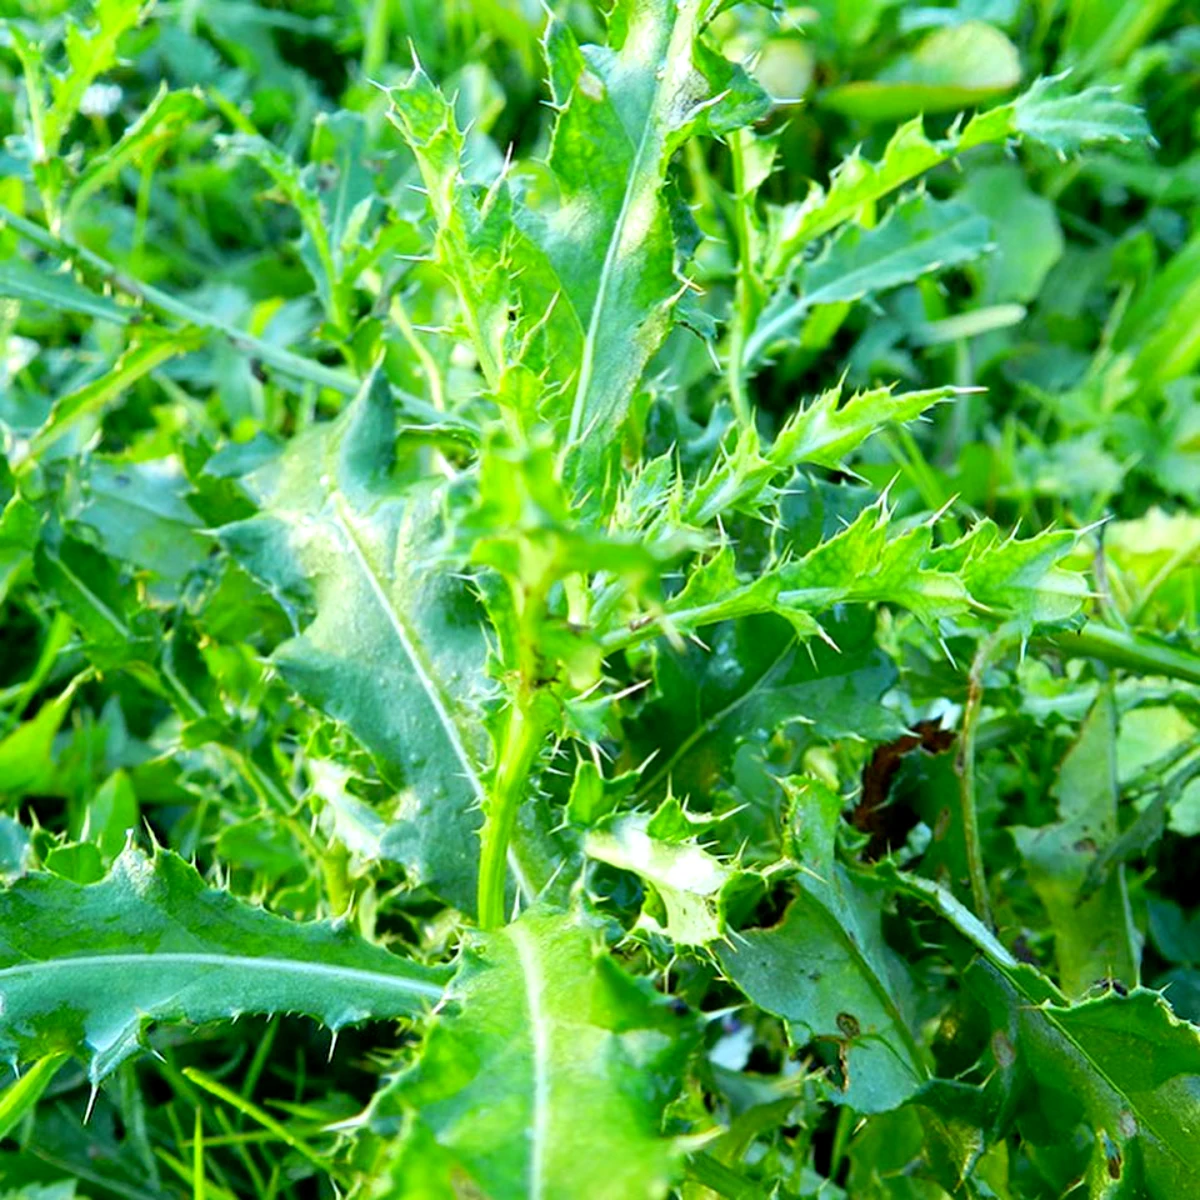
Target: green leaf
{"type": "Point", "coordinates": [388, 641]}
{"type": "Point", "coordinates": [1117, 1073]}
{"type": "Point", "coordinates": [1094, 938]}
{"type": "Point", "coordinates": [473, 226]}
{"type": "Point", "coordinates": [1067, 122]}
{"type": "Point", "coordinates": [952, 68]}
{"type": "Point", "coordinates": [91, 50]}
{"type": "Point", "coordinates": [1019, 577]}
{"type": "Point", "coordinates": [21, 1096]}
{"type": "Point", "coordinates": [607, 233]}
{"type": "Point", "coordinates": [1161, 328]}
{"type": "Point", "coordinates": [864, 563]}
{"type": "Point", "coordinates": [918, 235]}
{"type": "Point", "coordinates": [545, 1076]}
{"type": "Point", "coordinates": [1103, 33]}
{"type": "Point", "coordinates": [744, 477]}
{"type": "Point", "coordinates": [77, 414]}
{"type": "Point", "coordinates": [116, 628]}
{"type": "Point", "coordinates": [332, 214]}
{"type": "Point", "coordinates": [19, 528]}
{"type": "Point", "coordinates": [686, 878]}
{"type": "Point", "coordinates": [1025, 228]}
{"type": "Point", "coordinates": [1046, 112]}
{"type": "Point", "coordinates": [299, 188]}
{"type": "Point", "coordinates": [826, 969]}
{"type": "Point", "coordinates": [1121, 1070]}
{"type": "Point", "coordinates": [827, 431]}
{"type": "Point", "coordinates": [159, 125]}
{"type": "Point", "coordinates": [139, 512]}
{"type": "Point", "coordinates": [26, 761]}
{"type": "Point", "coordinates": [85, 968]}
{"type": "Point", "coordinates": [752, 694]}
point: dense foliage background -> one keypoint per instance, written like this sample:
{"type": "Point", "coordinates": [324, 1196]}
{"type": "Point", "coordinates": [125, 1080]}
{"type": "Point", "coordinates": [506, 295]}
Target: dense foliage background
{"type": "Point", "coordinates": [411, 421]}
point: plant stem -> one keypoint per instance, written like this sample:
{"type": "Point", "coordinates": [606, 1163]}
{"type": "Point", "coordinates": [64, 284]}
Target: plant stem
{"type": "Point", "coordinates": [1129, 651]}
{"type": "Point", "coordinates": [741, 317]}
{"type": "Point", "coordinates": [522, 740]}
{"type": "Point", "coordinates": [988, 649]}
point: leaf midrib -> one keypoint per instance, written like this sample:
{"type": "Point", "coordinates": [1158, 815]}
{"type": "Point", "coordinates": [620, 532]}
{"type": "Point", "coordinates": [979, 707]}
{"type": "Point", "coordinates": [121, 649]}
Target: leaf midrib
{"type": "Point", "coordinates": [1047, 1011]}
{"type": "Point", "coordinates": [874, 982]}
{"type": "Point", "coordinates": [675, 55]}
{"type": "Point", "coordinates": [276, 966]}
{"type": "Point", "coordinates": [408, 643]}
{"type": "Point", "coordinates": [103, 610]}
{"type": "Point", "coordinates": [540, 1053]}
{"type": "Point", "coordinates": [711, 724]}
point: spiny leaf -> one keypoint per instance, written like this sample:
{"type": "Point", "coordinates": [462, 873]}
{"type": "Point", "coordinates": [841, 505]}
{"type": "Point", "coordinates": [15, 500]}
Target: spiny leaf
{"type": "Point", "coordinates": [1018, 576]}
{"type": "Point", "coordinates": [473, 226]}
{"type": "Point", "coordinates": [687, 879]}
{"type": "Point", "coordinates": [1066, 121]}
{"type": "Point", "coordinates": [388, 641]}
{"type": "Point", "coordinates": [85, 968]}
{"type": "Point", "coordinates": [1122, 1066]}
{"type": "Point", "coordinates": [829, 429]}
{"type": "Point", "coordinates": [744, 476]}
{"type": "Point", "coordinates": [1046, 113]}
{"type": "Point", "coordinates": [607, 236]}
{"type": "Point", "coordinates": [545, 1076]}
{"type": "Point", "coordinates": [864, 563]}
{"type": "Point", "coordinates": [91, 50]}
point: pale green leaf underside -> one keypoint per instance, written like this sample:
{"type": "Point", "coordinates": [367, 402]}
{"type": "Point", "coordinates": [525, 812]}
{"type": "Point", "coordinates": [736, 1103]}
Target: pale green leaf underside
{"type": "Point", "coordinates": [686, 877]}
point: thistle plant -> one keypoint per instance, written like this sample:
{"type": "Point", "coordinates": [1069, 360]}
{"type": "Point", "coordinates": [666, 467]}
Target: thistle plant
{"type": "Point", "coordinates": [442, 624]}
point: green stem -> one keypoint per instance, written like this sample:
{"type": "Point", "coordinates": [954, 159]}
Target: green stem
{"type": "Point", "coordinates": [740, 322]}
{"type": "Point", "coordinates": [988, 649]}
{"type": "Point", "coordinates": [1128, 651]}
{"type": "Point", "coordinates": [282, 360]}
{"type": "Point", "coordinates": [522, 739]}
